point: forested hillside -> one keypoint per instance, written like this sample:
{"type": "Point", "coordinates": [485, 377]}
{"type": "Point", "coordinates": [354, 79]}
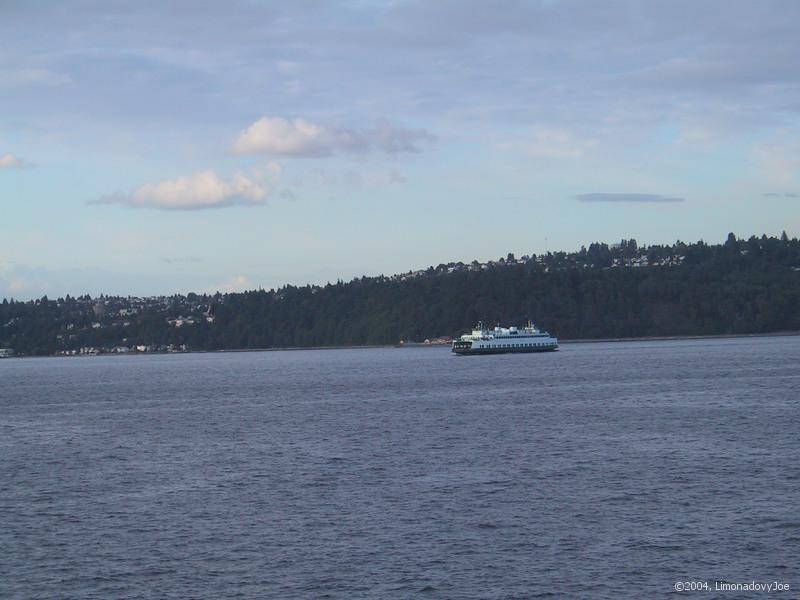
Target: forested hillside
{"type": "Point", "coordinates": [626, 290]}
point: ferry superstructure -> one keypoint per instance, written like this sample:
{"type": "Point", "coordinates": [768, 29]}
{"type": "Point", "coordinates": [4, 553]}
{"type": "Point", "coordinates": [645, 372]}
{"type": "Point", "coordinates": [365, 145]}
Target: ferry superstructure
{"type": "Point", "coordinates": [505, 340]}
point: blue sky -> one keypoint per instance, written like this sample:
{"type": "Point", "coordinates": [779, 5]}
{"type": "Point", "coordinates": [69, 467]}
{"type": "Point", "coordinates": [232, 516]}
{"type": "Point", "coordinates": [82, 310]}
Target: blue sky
{"type": "Point", "coordinates": [150, 147]}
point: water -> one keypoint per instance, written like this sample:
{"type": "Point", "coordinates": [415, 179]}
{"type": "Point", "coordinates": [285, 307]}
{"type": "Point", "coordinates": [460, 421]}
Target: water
{"type": "Point", "coordinates": [600, 471]}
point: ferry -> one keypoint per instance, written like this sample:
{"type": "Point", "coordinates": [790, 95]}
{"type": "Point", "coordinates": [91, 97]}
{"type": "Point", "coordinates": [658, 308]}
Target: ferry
{"type": "Point", "coordinates": [6, 353]}
{"type": "Point", "coordinates": [505, 340]}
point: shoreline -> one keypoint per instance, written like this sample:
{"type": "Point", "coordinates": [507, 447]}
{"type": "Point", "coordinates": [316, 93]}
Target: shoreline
{"type": "Point", "coordinates": [716, 336]}
{"type": "Point", "coordinates": [422, 345]}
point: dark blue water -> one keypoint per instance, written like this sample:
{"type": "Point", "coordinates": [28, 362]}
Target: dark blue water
{"type": "Point", "coordinates": [600, 471]}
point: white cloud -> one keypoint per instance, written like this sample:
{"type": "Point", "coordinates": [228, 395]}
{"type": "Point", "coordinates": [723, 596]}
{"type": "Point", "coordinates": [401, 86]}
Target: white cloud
{"type": "Point", "coordinates": [193, 192]}
{"type": "Point", "coordinates": [237, 283]}
{"type": "Point", "coordinates": [9, 161]}
{"type": "Point", "coordinates": [299, 137]}
{"type": "Point", "coordinates": [24, 282]}
{"type": "Point", "coordinates": [20, 282]}
{"type": "Point", "coordinates": [279, 136]}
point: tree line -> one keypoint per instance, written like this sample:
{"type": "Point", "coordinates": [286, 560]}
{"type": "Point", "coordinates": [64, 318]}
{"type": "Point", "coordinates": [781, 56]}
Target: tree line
{"type": "Point", "coordinates": [741, 286]}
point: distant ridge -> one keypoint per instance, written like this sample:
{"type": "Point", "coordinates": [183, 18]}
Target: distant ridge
{"type": "Point", "coordinates": [619, 291]}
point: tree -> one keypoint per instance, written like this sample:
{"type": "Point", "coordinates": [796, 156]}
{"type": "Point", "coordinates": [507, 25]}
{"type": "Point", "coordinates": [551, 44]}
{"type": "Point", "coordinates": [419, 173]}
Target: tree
{"type": "Point", "coordinates": [590, 293]}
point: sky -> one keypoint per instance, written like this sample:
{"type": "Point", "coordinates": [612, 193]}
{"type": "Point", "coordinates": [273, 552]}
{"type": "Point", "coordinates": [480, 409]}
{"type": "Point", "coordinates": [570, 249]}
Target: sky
{"type": "Point", "coordinates": [160, 147]}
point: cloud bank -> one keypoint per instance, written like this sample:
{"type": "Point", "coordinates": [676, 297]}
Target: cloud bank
{"type": "Point", "coordinates": [193, 192]}
{"type": "Point", "coordinates": [644, 198]}
{"type": "Point", "coordinates": [9, 161]}
{"type": "Point", "coordinates": [299, 137]}
{"type": "Point", "coordinates": [238, 283]}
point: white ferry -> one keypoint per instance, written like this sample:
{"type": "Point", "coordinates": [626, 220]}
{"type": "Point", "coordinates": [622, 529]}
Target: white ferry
{"type": "Point", "coordinates": [501, 340]}
{"type": "Point", "coordinates": [6, 353]}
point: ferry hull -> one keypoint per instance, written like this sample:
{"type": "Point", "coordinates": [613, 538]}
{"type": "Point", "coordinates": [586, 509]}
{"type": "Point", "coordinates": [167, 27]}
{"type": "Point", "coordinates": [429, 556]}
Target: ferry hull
{"type": "Point", "coordinates": [476, 351]}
